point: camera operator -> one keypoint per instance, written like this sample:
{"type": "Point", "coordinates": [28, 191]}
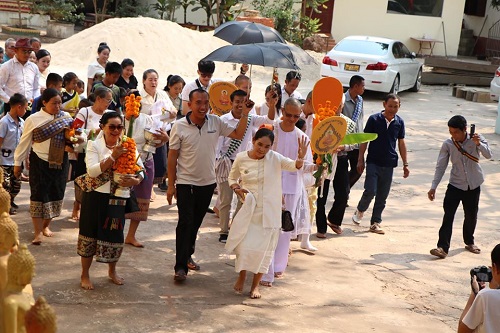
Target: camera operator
{"type": "Point", "coordinates": [482, 308]}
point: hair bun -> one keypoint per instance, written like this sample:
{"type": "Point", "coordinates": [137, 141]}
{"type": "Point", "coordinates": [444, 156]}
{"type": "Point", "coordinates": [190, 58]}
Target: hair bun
{"type": "Point", "coordinates": [103, 44]}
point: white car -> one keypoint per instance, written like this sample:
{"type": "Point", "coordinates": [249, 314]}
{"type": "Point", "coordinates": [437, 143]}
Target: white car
{"type": "Point", "coordinates": [386, 65]}
{"type": "Point", "coordinates": [495, 86]}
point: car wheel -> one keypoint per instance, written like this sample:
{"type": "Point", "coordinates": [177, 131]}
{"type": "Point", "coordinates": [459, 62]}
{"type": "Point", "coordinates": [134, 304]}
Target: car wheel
{"type": "Point", "coordinates": [395, 86]}
{"type": "Point", "coordinates": [418, 82]}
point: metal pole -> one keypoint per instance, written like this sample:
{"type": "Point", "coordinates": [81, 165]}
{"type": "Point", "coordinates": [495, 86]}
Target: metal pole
{"type": "Point", "coordinates": [444, 39]}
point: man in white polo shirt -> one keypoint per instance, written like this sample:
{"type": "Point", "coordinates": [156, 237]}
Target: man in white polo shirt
{"type": "Point", "coordinates": [191, 172]}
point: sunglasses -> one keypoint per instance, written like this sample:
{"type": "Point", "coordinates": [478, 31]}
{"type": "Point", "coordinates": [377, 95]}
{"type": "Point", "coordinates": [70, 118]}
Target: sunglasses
{"type": "Point", "coordinates": [209, 75]}
{"type": "Point", "coordinates": [294, 116]}
{"type": "Point", "coordinates": [115, 127]}
{"type": "Point", "coordinates": [26, 51]}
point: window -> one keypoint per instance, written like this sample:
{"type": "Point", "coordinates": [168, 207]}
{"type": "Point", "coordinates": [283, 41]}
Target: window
{"type": "Point", "coordinates": [362, 46]}
{"type": "Point", "coordinates": [416, 7]}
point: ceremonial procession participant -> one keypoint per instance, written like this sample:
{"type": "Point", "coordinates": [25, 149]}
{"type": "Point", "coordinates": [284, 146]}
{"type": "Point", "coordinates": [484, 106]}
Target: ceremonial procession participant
{"type": "Point", "coordinates": [353, 108]}
{"type": "Point", "coordinates": [340, 183]}
{"type": "Point", "coordinates": [381, 160]}
{"type": "Point", "coordinates": [289, 90]}
{"type": "Point", "coordinates": [44, 133]}
{"type": "Point", "coordinates": [98, 66]}
{"type": "Point", "coordinates": [206, 69]}
{"type": "Point", "coordinates": [113, 71]}
{"type": "Point", "coordinates": [287, 138]}
{"type": "Point", "coordinates": [19, 75]}
{"type": "Point", "coordinates": [229, 148]}
{"type": "Point", "coordinates": [127, 79]}
{"type": "Point", "coordinates": [191, 172]}
{"type": "Point", "coordinates": [256, 178]}
{"type": "Point", "coordinates": [263, 110]}
{"type": "Point", "coordinates": [144, 189]}
{"type": "Point", "coordinates": [102, 219]}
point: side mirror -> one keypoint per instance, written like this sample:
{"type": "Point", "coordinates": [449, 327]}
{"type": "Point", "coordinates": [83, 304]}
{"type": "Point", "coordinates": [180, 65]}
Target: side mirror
{"type": "Point", "coordinates": [413, 55]}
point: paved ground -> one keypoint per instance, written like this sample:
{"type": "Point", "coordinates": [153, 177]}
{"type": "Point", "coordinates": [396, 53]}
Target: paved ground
{"type": "Point", "coordinates": [358, 282]}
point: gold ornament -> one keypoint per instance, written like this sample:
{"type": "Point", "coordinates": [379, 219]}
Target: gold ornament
{"type": "Point", "coordinates": [41, 318]}
{"type": "Point", "coordinates": [9, 237]}
{"type": "Point", "coordinates": [21, 267]}
{"type": "Point", "coordinates": [4, 195]}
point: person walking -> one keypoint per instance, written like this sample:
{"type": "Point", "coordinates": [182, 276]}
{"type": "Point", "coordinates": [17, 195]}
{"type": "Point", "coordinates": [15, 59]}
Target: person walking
{"type": "Point", "coordinates": [463, 150]}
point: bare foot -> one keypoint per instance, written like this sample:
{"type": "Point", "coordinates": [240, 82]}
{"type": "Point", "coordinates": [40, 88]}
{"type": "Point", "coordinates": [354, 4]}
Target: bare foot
{"type": "Point", "coordinates": [38, 239]}
{"type": "Point", "coordinates": [266, 283]}
{"type": "Point", "coordinates": [75, 215]}
{"type": "Point", "coordinates": [47, 232]}
{"type": "Point", "coordinates": [279, 275]}
{"type": "Point", "coordinates": [133, 241]}
{"type": "Point", "coordinates": [255, 293]}
{"type": "Point", "coordinates": [116, 279]}
{"type": "Point", "coordinates": [238, 286]}
{"type": "Point", "coordinates": [86, 284]}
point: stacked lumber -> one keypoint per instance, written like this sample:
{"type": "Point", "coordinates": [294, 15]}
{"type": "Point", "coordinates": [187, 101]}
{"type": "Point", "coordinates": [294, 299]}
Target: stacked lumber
{"type": "Point", "coordinates": [471, 93]}
{"type": "Point", "coordinates": [458, 71]}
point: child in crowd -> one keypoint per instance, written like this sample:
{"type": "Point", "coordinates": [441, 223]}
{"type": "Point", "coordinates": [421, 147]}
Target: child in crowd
{"type": "Point", "coordinates": [32, 57]}
{"type": "Point", "coordinates": [55, 81]}
{"type": "Point", "coordinates": [70, 97]}
{"type": "Point", "coordinates": [113, 73]}
{"type": "Point", "coordinates": [11, 128]}
{"type": "Point", "coordinates": [80, 88]}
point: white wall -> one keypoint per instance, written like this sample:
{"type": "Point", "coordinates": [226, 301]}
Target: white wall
{"type": "Point", "coordinates": [475, 22]}
{"type": "Point", "coordinates": [370, 17]}
{"type": "Point", "coordinates": [34, 20]}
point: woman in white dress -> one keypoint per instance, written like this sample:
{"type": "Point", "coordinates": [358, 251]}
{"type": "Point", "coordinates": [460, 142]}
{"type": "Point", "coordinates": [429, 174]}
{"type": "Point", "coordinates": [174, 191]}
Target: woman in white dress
{"type": "Point", "coordinates": [256, 178]}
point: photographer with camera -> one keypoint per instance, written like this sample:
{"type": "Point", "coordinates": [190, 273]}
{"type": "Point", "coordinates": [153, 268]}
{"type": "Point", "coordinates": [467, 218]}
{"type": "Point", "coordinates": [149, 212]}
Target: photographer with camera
{"type": "Point", "coordinates": [482, 308]}
{"type": "Point", "coordinates": [463, 150]}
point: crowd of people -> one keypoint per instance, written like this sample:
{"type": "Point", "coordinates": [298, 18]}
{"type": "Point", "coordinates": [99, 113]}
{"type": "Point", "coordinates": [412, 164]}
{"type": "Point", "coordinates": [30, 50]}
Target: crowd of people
{"type": "Point", "coordinates": [256, 155]}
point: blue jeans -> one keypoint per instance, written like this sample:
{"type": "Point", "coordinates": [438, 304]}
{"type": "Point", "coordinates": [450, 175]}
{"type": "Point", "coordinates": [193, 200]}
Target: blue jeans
{"type": "Point", "coordinates": [377, 184]}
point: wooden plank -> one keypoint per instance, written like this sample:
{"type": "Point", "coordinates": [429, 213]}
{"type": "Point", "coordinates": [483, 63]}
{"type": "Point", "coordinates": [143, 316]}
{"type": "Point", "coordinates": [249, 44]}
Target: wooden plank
{"type": "Point", "coordinates": [433, 78]}
{"type": "Point", "coordinates": [460, 64]}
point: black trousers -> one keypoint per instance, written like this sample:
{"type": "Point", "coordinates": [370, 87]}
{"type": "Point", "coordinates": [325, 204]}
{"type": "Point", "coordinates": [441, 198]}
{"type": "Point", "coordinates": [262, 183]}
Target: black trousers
{"type": "Point", "coordinates": [353, 162]}
{"type": "Point", "coordinates": [470, 204]}
{"type": "Point", "coordinates": [192, 204]}
{"type": "Point", "coordinates": [320, 207]}
{"type": "Point", "coordinates": [341, 188]}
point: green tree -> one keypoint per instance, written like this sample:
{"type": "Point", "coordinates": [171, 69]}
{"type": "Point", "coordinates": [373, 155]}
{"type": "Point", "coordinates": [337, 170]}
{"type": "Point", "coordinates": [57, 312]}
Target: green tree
{"type": "Point", "coordinates": [208, 7]}
{"type": "Point", "coordinates": [162, 7]}
{"type": "Point", "coordinates": [185, 4]}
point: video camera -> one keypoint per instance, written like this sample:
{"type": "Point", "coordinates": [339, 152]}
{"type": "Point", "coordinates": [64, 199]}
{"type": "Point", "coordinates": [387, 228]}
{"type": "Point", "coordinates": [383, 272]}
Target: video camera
{"type": "Point", "coordinates": [483, 274]}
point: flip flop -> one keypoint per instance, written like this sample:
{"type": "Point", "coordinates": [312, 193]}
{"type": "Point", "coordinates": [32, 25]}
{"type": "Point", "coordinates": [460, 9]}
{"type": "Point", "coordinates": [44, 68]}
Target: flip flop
{"type": "Point", "coordinates": [473, 248]}
{"type": "Point", "coordinates": [335, 228]}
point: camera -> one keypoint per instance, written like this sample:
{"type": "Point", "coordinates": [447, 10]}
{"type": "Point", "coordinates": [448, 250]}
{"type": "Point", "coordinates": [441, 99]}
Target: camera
{"type": "Point", "coordinates": [482, 273]}
{"type": "Point", "coordinates": [472, 130]}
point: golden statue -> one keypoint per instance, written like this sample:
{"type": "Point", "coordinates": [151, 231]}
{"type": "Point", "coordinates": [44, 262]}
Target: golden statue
{"type": "Point", "coordinates": [4, 196]}
{"type": "Point", "coordinates": [16, 302]}
{"type": "Point", "coordinates": [41, 318]}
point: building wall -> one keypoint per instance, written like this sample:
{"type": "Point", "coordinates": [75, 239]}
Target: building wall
{"type": "Point", "coordinates": [476, 22]}
{"type": "Point", "coordinates": [362, 17]}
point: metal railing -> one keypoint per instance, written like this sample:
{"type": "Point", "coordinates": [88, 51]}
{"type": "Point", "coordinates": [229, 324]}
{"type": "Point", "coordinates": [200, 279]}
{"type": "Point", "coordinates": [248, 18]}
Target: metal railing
{"type": "Point", "coordinates": [493, 41]}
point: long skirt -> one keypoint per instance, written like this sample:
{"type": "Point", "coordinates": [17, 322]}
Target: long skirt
{"type": "Point", "coordinates": [101, 226]}
{"type": "Point", "coordinates": [80, 169]}
{"type": "Point", "coordinates": [47, 187]}
{"type": "Point", "coordinates": [160, 158]}
{"type": "Point", "coordinates": [143, 193]}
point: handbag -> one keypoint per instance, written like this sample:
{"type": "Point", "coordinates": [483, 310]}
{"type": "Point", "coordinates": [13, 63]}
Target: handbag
{"type": "Point", "coordinates": [88, 184]}
{"type": "Point", "coordinates": [286, 221]}
{"type": "Point", "coordinates": [132, 206]}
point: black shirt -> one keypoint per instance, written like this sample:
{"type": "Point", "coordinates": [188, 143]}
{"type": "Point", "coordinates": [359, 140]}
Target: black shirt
{"type": "Point", "coordinates": [127, 86]}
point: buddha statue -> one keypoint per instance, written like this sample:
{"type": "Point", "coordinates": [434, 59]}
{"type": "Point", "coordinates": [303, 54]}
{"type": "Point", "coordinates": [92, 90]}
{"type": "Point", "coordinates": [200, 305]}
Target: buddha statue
{"type": "Point", "coordinates": [41, 318]}
{"type": "Point", "coordinates": [9, 241]}
{"type": "Point", "coordinates": [16, 302]}
{"type": "Point", "coordinates": [4, 196]}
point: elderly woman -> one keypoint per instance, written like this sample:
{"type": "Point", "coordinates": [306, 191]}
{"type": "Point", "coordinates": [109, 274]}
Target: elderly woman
{"type": "Point", "coordinates": [44, 133]}
{"type": "Point", "coordinates": [102, 217]}
{"type": "Point", "coordinates": [255, 230]}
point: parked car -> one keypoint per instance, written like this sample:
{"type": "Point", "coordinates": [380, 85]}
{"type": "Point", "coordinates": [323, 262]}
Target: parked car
{"type": "Point", "coordinates": [386, 64]}
{"type": "Point", "coordinates": [495, 86]}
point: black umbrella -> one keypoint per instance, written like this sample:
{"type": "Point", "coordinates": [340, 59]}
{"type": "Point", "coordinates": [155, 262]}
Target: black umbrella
{"type": "Point", "coordinates": [271, 54]}
{"type": "Point", "coordinates": [243, 32]}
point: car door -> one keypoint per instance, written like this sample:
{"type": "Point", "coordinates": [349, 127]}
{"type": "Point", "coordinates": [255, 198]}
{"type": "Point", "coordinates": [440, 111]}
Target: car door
{"type": "Point", "coordinates": [398, 60]}
{"type": "Point", "coordinates": [412, 65]}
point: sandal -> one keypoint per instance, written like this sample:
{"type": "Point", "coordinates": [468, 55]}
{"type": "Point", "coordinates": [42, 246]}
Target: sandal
{"type": "Point", "coordinates": [439, 252]}
{"type": "Point", "coordinates": [335, 228]}
{"type": "Point", "coordinates": [473, 248]}
{"type": "Point", "coordinates": [266, 283]}
{"type": "Point", "coordinates": [192, 265]}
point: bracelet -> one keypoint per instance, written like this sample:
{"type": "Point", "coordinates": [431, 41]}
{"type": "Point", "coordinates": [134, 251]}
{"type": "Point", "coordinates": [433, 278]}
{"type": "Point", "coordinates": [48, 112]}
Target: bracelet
{"type": "Point", "coordinates": [405, 164]}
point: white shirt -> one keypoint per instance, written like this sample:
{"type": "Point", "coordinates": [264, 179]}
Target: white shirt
{"type": "Point", "coordinates": [97, 152]}
{"type": "Point", "coordinates": [483, 313]}
{"type": "Point", "coordinates": [41, 149]}
{"type": "Point", "coordinates": [196, 147]}
{"type": "Point", "coordinates": [140, 124]}
{"type": "Point", "coordinates": [285, 96]}
{"type": "Point", "coordinates": [18, 78]}
{"type": "Point", "coordinates": [95, 68]}
{"type": "Point", "coordinates": [147, 100]}
{"type": "Point", "coordinates": [190, 86]}
{"type": "Point", "coordinates": [224, 142]}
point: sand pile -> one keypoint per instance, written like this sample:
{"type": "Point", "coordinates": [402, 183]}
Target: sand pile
{"type": "Point", "coordinates": [151, 43]}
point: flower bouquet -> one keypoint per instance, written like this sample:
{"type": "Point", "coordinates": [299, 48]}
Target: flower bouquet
{"type": "Point", "coordinates": [132, 109]}
{"type": "Point", "coordinates": [126, 164]}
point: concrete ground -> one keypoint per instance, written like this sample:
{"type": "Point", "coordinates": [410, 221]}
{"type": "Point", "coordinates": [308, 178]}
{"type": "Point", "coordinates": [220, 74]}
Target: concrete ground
{"type": "Point", "coordinates": [356, 282]}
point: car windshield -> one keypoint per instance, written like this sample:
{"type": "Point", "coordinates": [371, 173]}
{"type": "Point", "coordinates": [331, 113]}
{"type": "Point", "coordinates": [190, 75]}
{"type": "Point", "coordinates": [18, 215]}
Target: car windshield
{"type": "Point", "coordinates": [362, 46]}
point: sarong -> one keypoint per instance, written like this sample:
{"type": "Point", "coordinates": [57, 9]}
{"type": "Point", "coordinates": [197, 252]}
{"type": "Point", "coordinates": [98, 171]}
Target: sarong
{"type": "Point", "coordinates": [101, 226]}
{"type": "Point", "coordinates": [160, 158]}
{"type": "Point", "coordinates": [47, 187]}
